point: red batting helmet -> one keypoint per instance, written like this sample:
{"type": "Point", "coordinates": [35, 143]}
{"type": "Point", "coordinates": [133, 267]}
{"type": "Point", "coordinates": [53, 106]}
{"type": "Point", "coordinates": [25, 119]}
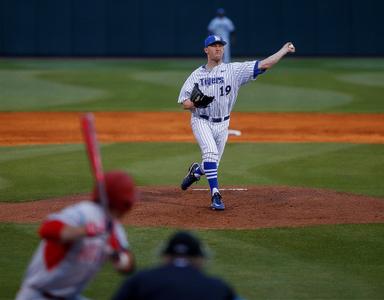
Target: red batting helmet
{"type": "Point", "coordinates": [121, 191]}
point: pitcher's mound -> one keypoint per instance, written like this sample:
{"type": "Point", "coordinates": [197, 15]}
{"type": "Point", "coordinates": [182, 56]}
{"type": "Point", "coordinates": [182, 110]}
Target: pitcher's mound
{"type": "Point", "coordinates": [246, 208]}
{"type": "Point", "coordinates": [254, 207]}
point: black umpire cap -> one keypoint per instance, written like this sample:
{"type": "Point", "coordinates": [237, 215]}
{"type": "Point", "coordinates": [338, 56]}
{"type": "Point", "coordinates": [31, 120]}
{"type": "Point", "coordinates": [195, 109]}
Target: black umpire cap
{"type": "Point", "coordinates": [184, 243]}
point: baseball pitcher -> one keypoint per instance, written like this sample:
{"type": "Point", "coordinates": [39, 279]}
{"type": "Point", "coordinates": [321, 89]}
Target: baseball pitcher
{"type": "Point", "coordinates": [210, 94]}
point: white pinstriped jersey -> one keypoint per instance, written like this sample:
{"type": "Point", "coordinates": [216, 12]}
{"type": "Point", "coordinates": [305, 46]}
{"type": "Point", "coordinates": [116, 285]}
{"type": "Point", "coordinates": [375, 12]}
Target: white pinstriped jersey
{"type": "Point", "coordinates": [222, 82]}
{"type": "Point", "coordinates": [81, 262]}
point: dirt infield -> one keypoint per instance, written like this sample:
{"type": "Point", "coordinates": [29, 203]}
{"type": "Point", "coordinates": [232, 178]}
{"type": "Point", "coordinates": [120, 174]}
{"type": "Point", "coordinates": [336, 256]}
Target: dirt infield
{"type": "Point", "coordinates": [254, 207]}
{"type": "Point", "coordinates": [60, 128]}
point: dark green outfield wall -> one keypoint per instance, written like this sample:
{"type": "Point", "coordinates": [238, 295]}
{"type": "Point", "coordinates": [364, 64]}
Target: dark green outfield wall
{"type": "Point", "coordinates": [177, 28]}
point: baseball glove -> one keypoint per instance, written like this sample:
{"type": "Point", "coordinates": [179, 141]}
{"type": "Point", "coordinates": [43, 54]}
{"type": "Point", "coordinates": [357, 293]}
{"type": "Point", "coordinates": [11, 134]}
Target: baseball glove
{"type": "Point", "coordinates": [199, 99]}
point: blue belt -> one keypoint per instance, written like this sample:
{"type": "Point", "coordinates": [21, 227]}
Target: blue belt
{"type": "Point", "coordinates": [214, 120]}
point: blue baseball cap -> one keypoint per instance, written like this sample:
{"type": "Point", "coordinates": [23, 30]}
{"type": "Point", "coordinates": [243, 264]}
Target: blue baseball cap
{"type": "Point", "coordinates": [213, 39]}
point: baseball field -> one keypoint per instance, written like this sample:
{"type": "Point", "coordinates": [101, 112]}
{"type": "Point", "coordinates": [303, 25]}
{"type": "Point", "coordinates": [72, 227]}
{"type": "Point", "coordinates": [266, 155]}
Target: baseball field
{"type": "Point", "coordinates": [302, 184]}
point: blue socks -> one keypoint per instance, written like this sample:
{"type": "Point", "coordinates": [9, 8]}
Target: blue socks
{"type": "Point", "coordinates": [210, 169]}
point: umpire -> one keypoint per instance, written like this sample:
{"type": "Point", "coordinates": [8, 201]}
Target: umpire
{"type": "Point", "coordinates": [179, 277]}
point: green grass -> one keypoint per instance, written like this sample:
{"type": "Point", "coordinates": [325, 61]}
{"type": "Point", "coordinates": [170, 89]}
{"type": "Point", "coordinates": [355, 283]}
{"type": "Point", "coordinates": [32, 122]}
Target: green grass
{"type": "Point", "coordinates": [18, 242]}
{"type": "Point", "coordinates": [321, 262]}
{"type": "Point", "coordinates": [321, 85]}
{"type": "Point", "coordinates": [37, 172]}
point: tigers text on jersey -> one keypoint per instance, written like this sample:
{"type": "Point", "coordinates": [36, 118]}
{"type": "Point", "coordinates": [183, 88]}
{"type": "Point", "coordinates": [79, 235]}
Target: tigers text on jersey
{"type": "Point", "coordinates": [82, 259]}
{"type": "Point", "coordinates": [222, 82]}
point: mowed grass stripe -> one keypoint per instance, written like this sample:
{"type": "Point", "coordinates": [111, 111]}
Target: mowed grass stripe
{"type": "Point", "coordinates": [294, 85]}
{"type": "Point", "coordinates": [321, 262]}
{"type": "Point", "coordinates": [40, 172]}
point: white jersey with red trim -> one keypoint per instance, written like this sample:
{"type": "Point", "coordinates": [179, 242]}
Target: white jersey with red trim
{"type": "Point", "coordinates": [63, 270]}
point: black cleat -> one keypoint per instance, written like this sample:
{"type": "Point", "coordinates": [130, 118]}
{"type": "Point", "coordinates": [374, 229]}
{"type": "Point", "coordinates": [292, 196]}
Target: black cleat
{"type": "Point", "coordinates": [190, 178]}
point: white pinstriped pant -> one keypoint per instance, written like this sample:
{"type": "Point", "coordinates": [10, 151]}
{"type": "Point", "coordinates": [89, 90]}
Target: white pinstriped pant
{"type": "Point", "coordinates": [211, 137]}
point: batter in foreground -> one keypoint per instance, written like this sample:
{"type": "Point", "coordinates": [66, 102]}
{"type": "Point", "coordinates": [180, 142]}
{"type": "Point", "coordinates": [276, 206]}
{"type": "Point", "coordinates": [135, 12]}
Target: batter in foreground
{"type": "Point", "coordinates": [78, 240]}
{"type": "Point", "coordinates": [210, 94]}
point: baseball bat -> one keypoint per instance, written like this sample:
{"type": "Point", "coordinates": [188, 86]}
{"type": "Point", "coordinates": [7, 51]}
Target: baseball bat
{"type": "Point", "coordinates": [93, 151]}
{"type": "Point", "coordinates": [94, 156]}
